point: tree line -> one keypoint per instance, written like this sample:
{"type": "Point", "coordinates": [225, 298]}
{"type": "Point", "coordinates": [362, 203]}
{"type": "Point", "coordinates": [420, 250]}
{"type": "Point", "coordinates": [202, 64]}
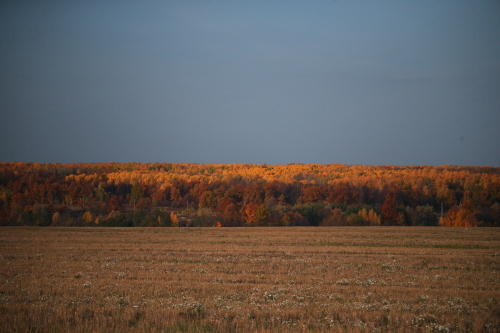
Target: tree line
{"type": "Point", "coordinates": [187, 194]}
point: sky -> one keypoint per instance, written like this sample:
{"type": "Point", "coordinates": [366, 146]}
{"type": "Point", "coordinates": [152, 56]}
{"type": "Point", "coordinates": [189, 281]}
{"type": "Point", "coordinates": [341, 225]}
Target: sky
{"type": "Point", "coordinates": [277, 82]}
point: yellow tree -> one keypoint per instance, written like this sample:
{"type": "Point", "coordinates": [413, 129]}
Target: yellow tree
{"type": "Point", "coordinates": [174, 219]}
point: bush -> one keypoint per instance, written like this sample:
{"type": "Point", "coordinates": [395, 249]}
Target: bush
{"type": "Point", "coordinates": [315, 212]}
{"type": "Point", "coordinates": [156, 218]}
{"type": "Point", "coordinates": [118, 221]}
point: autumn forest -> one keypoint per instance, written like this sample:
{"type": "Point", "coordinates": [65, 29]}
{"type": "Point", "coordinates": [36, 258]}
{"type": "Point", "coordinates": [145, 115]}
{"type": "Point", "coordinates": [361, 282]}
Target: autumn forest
{"type": "Point", "coordinates": [227, 195]}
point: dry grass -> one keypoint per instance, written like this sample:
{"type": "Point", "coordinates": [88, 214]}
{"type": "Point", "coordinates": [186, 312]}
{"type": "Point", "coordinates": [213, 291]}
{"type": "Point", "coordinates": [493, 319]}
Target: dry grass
{"type": "Point", "coordinates": [369, 279]}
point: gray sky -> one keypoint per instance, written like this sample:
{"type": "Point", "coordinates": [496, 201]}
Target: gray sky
{"type": "Point", "coordinates": [277, 82]}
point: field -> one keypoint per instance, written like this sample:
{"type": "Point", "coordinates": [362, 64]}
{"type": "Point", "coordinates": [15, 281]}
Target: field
{"type": "Point", "coordinates": [303, 279]}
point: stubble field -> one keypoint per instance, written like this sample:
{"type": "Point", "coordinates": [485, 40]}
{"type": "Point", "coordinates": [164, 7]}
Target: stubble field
{"type": "Point", "coordinates": [368, 279]}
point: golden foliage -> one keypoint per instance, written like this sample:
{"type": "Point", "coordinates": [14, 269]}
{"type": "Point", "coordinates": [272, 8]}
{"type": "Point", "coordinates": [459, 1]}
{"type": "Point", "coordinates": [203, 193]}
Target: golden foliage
{"type": "Point", "coordinates": [174, 219]}
{"type": "Point", "coordinates": [219, 185]}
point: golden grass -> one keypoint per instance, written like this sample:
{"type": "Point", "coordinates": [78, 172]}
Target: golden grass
{"type": "Point", "coordinates": [369, 279]}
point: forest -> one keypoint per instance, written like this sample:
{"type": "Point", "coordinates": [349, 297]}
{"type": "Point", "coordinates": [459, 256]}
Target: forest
{"type": "Point", "coordinates": [230, 195]}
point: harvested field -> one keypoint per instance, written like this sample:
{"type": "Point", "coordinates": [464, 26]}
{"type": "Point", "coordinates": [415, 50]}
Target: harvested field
{"type": "Point", "coordinates": [303, 279]}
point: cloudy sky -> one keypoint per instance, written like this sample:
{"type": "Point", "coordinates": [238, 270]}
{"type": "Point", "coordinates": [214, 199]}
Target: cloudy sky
{"type": "Point", "coordinates": [276, 82]}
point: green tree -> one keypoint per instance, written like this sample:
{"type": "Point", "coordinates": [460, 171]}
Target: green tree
{"type": "Point", "coordinates": [100, 193]}
{"type": "Point", "coordinates": [208, 199]}
{"type": "Point", "coordinates": [285, 220]}
{"type": "Point", "coordinates": [204, 217]}
{"type": "Point", "coordinates": [136, 192]}
{"type": "Point", "coordinates": [314, 212]}
{"type": "Point", "coordinates": [40, 215]}
{"type": "Point", "coordinates": [422, 215]}
{"type": "Point", "coordinates": [262, 215]}
{"type": "Point", "coordinates": [156, 218]}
